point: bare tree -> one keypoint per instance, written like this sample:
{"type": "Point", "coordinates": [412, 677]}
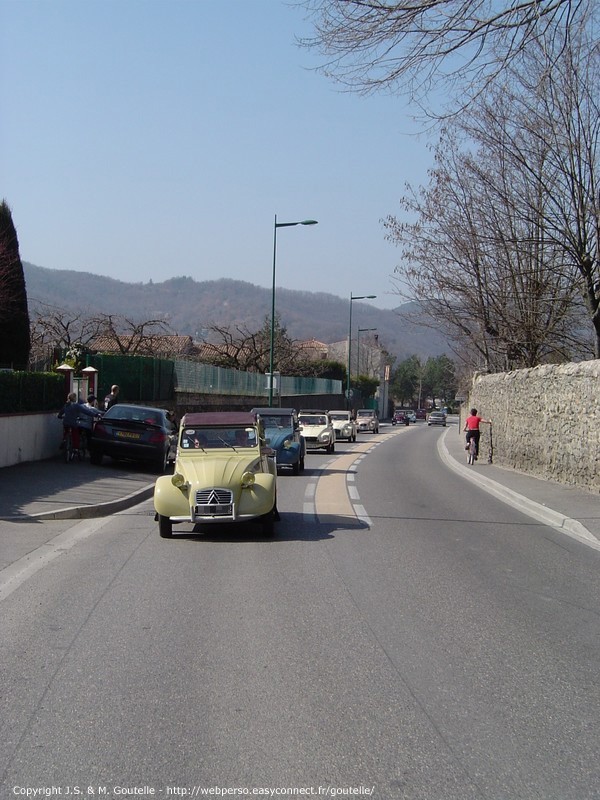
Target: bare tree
{"type": "Point", "coordinates": [479, 261]}
{"type": "Point", "coordinates": [61, 328]}
{"type": "Point", "coordinates": [414, 46]}
{"type": "Point", "coordinates": [133, 337]}
{"type": "Point", "coordinates": [55, 328]}
{"type": "Point", "coordinates": [545, 124]}
{"type": "Point", "coordinates": [77, 333]}
{"type": "Point", "coordinates": [240, 348]}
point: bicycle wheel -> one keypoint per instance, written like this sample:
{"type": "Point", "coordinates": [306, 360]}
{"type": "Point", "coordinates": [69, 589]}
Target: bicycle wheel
{"type": "Point", "coordinates": [68, 451]}
{"type": "Point", "coordinates": [472, 452]}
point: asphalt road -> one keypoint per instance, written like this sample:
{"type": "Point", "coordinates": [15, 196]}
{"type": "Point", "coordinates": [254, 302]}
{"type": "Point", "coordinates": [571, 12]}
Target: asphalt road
{"type": "Point", "coordinates": [404, 635]}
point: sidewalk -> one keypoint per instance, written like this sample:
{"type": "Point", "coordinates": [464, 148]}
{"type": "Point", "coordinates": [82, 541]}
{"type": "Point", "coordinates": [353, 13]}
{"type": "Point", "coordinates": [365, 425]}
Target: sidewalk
{"type": "Point", "coordinates": [571, 510]}
{"type": "Point", "coordinates": [54, 490]}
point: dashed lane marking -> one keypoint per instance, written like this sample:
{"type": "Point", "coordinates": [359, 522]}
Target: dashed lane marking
{"type": "Point", "coordinates": [333, 494]}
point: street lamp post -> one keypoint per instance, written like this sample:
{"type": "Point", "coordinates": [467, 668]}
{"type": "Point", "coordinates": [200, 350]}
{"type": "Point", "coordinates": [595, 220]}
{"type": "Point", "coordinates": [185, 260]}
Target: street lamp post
{"type": "Point", "coordinates": [272, 348]}
{"type": "Point", "coordinates": [360, 330]}
{"type": "Point", "coordinates": [352, 298]}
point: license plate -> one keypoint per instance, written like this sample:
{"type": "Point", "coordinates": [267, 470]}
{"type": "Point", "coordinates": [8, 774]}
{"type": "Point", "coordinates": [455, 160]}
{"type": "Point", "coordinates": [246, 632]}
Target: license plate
{"type": "Point", "coordinates": [128, 435]}
{"type": "Point", "coordinates": [221, 510]}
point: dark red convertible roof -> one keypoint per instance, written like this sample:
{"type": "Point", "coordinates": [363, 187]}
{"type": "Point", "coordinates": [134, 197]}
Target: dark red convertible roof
{"type": "Point", "coordinates": [218, 418]}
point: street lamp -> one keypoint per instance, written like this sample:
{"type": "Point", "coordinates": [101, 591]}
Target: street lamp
{"type": "Point", "coordinates": [360, 330]}
{"type": "Point", "coordinates": [352, 298]}
{"type": "Point", "coordinates": [272, 349]}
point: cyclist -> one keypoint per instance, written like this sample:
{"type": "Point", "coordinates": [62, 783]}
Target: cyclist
{"type": "Point", "coordinates": [472, 424]}
{"type": "Point", "coordinates": [69, 413]}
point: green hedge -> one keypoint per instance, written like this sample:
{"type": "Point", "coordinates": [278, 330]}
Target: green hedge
{"type": "Point", "coordinates": [22, 392]}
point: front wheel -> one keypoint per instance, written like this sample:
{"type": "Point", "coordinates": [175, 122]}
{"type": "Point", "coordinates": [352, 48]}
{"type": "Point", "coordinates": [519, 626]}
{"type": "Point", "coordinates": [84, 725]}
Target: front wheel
{"type": "Point", "coordinates": [165, 527]}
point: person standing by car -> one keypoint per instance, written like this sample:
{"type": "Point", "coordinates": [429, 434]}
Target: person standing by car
{"type": "Point", "coordinates": [112, 398]}
{"type": "Point", "coordinates": [70, 413]}
{"type": "Point", "coordinates": [85, 422]}
{"type": "Point", "coordinates": [472, 424]}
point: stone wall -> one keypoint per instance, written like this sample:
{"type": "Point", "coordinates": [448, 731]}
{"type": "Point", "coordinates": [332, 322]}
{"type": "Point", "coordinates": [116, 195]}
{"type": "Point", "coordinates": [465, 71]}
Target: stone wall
{"type": "Point", "coordinates": [546, 421]}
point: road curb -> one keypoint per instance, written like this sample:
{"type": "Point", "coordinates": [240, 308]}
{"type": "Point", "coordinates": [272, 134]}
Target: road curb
{"type": "Point", "coordinates": [539, 512]}
{"type": "Point", "coordinates": [88, 511]}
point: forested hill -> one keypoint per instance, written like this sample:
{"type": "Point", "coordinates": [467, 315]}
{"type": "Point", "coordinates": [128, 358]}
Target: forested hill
{"type": "Point", "coordinates": [191, 307]}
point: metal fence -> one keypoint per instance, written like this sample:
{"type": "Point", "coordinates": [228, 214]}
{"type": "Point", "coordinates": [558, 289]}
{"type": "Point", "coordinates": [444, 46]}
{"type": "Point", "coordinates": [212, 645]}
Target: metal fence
{"type": "Point", "coordinates": [139, 377]}
{"type": "Point", "coordinates": [207, 379]}
{"type": "Point", "coordinates": [148, 378]}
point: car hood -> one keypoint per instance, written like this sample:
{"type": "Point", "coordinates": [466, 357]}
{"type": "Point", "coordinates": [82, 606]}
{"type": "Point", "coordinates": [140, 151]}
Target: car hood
{"type": "Point", "coordinates": [222, 471]}
{"type": "Point", "coordinates": [277, 438]}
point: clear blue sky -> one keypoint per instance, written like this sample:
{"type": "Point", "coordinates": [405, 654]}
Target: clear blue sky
{"type": "Point", "coordinates": [147, 139]}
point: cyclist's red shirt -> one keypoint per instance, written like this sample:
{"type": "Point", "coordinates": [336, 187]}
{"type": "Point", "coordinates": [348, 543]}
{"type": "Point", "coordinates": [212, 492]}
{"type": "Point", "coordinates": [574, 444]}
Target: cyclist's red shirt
{"type": "Point", "coordinates": [472, 423]}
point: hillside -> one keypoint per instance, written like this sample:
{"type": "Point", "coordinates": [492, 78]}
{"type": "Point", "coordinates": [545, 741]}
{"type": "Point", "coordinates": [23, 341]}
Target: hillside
{"type": "Point", "coordinates": [190, 307]}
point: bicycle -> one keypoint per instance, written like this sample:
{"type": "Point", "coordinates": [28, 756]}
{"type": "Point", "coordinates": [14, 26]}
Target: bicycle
{"type": "Point", "coordinates": [472, 451]}
{"type": "Point", "coordinates": [70, 451]}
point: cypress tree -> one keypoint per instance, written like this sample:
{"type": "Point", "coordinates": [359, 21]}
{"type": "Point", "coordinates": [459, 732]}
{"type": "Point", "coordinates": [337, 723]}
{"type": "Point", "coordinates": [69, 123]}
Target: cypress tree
{"type": "Point", "coordinates": [15, 339]}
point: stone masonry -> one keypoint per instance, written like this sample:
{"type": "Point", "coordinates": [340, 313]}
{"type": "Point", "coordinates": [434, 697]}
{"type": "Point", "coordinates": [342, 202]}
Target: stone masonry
{"type": "Point", "coordinates": [546, 421]}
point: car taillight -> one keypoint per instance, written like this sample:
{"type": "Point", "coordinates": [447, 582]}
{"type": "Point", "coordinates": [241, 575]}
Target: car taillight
{"type": "Point", "coordinates": [100, 429]}
{"type": "Point", "coordinates": [158, 438]}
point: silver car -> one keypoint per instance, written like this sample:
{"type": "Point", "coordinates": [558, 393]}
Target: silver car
{"type": "Point", "coordinates": [437, 418]}
{"type": "Point", "coordinates": [367, 420]}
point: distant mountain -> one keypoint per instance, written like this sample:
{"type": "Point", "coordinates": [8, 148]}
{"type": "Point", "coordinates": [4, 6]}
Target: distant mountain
{"type": "Point", "coordinates": [191, 307]}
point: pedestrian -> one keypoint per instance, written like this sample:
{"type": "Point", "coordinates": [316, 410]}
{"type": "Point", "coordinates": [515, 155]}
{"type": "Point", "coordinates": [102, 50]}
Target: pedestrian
{"type": "Point", "coordinates": [472, 428]}
{"type": "Point", "coordinates": [85, 422]}
{"type": "Point", "coordinates": [111, 398]}
{"type": "Point", "coordinates": [70, 413]}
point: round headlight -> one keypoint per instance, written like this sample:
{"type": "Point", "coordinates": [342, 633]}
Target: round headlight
{"type": "Point", "coordinates": [287, 444]}
{"type": "Point", "coordinates": [248, 479]}
{"type": "Point", "coordinates": [178, 480]}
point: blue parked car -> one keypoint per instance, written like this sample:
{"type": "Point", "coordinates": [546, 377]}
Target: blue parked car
{"type": "Point", "coordinates": [283, 436]}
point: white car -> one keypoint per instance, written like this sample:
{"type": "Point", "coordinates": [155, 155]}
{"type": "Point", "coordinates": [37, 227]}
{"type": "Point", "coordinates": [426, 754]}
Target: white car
{"type": "Point", "coordinates": [316, 428]}
{"type": "Point", "coordinates": [367, 420]}
{"type": "Point", "coordinates": [343, 425]}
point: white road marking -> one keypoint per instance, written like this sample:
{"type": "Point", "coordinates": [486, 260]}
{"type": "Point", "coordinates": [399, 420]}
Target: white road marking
{"type": "Point", "coordinates": [18, 572]}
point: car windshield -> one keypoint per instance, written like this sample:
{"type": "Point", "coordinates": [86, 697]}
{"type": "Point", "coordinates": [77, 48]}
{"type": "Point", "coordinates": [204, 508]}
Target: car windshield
{"type": "Point", "coordinates": [314, 420]}
{"type": "Point", "coordinates": [277, 421]}
{"type": "Point", "coordinates": [134, 414]}
{"type": "Point", "coordinates": [339, 416]}
{"type": "Point", "coordinates": [212, 438]}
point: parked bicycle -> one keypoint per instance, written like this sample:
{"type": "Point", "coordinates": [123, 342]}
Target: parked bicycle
{"type": "Point", "coordinates": [72, 445]}
{"type": "Point", "coordinates": [71, 413]}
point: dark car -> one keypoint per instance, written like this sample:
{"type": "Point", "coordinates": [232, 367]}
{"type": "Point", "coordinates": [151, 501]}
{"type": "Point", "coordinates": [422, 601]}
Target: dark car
{"type": "Point", "coordinates": [400, 418]}
{"type": "Point", "coordinates": [136, 433]}
{"type": "Point", "coordinates": [283, 435]}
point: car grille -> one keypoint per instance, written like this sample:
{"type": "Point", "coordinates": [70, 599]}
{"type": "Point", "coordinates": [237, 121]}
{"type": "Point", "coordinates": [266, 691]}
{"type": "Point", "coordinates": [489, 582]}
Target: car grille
{"type": "Point", "coordinates": [214, 502]}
